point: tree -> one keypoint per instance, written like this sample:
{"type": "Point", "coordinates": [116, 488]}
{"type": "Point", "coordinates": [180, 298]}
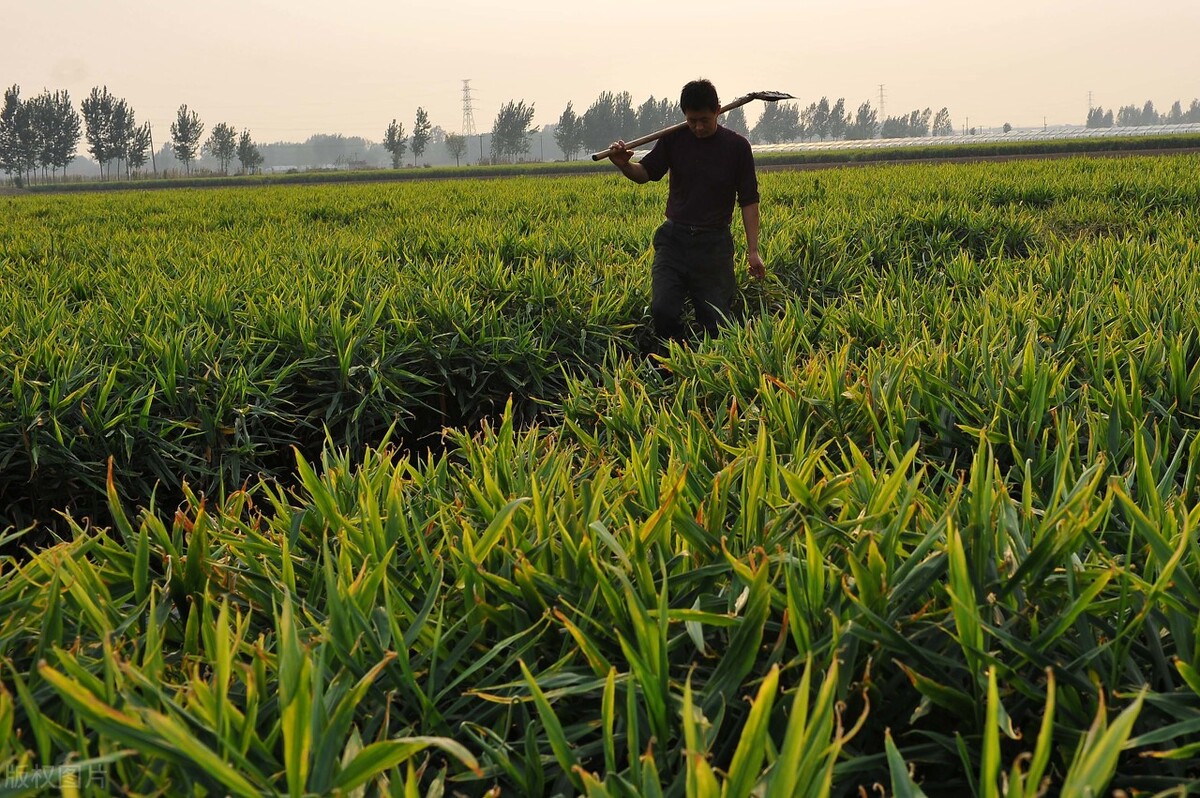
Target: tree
{"type": "Point", "coordinates": [456, 145]}
{"type": "Point", "coordinates": [1099, 118]}
{"type": "Point", "coordinates": [609, 118]}
{"type": "Point", "coordinates": [222, 145]}
{"type": "Point", "coordinates": [395, 143]}
{"type": "Point", "coordinates": [37, 123]}
{"type": "Point", "coordinates": [865, 124]}
{"type": "Point", "coordinates": [919, 121]}
{"type": "Point", "coordinates": [915, 123]}
{"type": "Point", "coordinates": [420, 134]}
{"type": "Point", "coordinates": [655, 114]}
{"type": "Point", "coordinates": [139, 148]}
{"type": "Point", "coordinates": [1175, 115]}
{"type": "Point", "coordinates": [568, 133]}
{"type": "Point", "coordinates": [805, 121]}
{"type": "Point", "coordinates": [40, 111]}
{"type": "Point", "coordinates": [66, 132]}
{"type": "Point", "coordinates": [894, 127]}
{"type": "Point", "coordinates": [735, 120]}
{"type": "Point", "coordinates": [186, 131]}
{"type": "Point", "coordinates": [839, 120]}
{"type": "Point", "coordinates": [1149, 115]}
{"type": "Point", "coordinates": [111, 128]}
{"type": "Point", "coordinates": [332, 148]}
{"type": "Point", "coordinates": [942, 126]}
{"type": "Point", "coordinates": [669, 113]}
{"type": "Point", "coordinates": [1007, 128]}
{"type": "Point", "coordinates": [1132, 116]}
{"type": "Point", "coordinates": [11, 118]}
{"type": "Point", "coordinates": [780, 122]}
{"type": "Point", "coordinates": [248, 154]}
{"type": "Point", "coordinates": [510, 131]}
{"type": "Point", "coordinates": [118, 130]}
{"type": "Point", "coordinates": [97, 111]}
{"type": "Point", "coordinates": [26, 136]}
{"type": "Point", "coordinates": [821, 118]}
{"type": "Point", "coordinates": [122, 130]}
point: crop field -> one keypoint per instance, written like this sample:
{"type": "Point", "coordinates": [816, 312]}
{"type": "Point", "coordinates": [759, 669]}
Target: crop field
{"type": "Point", "coordinates": [373, 490]}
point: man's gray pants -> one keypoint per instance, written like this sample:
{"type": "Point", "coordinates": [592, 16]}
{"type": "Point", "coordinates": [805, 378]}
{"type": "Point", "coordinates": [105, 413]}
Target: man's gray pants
{"type": "Point", "coordinates": [695, 263]}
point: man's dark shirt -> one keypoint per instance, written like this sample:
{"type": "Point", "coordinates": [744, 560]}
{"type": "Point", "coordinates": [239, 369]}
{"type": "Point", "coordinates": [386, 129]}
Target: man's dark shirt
{"type": "Point", "coordinates": [706, 175]}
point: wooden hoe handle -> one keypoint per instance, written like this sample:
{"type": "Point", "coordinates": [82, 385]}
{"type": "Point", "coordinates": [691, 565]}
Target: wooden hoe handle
{"type": "Point", "coordinates": [658, 134]}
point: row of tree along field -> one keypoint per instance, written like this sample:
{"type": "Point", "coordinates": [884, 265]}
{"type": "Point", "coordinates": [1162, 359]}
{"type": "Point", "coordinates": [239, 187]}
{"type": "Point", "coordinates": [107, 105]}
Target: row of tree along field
{"type": "Point", "coordinates": [1140, 116]}
{"type": "Point", "coordinates": [613, 116]}
{"type": "Point", "coordinates": [41, 136]}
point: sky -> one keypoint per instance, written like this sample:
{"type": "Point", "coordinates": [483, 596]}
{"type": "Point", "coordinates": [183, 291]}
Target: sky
{"type": "Point", "coordinates": [286, 69]}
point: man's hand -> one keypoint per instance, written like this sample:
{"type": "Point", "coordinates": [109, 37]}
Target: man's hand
{"type": "Point", "coordinates": [621, 154]}
{"type": "Point", "coordinates": [758, 269]}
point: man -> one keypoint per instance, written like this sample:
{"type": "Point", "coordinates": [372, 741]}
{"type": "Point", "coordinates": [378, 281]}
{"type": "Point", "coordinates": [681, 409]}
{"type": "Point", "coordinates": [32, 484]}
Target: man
{"type": "Point", "coordinates": [710, 167]}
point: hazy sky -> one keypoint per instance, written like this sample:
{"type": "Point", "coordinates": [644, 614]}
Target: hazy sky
{"type": "Point", "coordinates": [288, 68]}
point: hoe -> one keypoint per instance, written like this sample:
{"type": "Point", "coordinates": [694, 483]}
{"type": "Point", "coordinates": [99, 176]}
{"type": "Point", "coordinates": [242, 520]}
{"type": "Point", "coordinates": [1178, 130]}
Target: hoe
{"type": "Point", "coordinates": [768, 96]}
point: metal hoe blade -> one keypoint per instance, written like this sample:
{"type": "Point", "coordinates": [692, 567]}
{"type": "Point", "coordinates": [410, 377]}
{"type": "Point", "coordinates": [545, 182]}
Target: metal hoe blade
{"type": "Point", "coordinates": [771, 96]}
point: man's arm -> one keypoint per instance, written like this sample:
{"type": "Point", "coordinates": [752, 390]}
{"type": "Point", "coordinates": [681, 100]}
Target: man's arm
{"type": "Point", "coordinates": [621, 159]}
{"type": "Point", "coordinates": [758, 270]}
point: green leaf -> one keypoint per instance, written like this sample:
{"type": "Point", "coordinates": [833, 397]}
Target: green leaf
{"type": "Point", "coordinates": [744, 770]}
{"type": "Point", "coordinates": [1100, 751]}
{"type": "Point", "coordinates": [1041, 753]}
{"type": "Point", "coordinates": [742, 651]}
{"type": "Point", "coordinates": [903, 785]}
{"type": "Point", "coordinates": [378, 758]}
{"type": "Point", "coordinates": [295, 702]}
{"type": "Point", "coordinates": [199, 754]}
{"type": "Point", "coordinates": [496, 528]}
{"type": "Point", "coordinates": [554, 730]}
{"type": "Point", "coordinates": [700, 780]}
{"type": "Point", "coordinates": [989, 766]}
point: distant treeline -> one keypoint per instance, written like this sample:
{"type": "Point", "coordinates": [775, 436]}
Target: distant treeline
{"type": "Point", "coordinates": [1140, 116]}
{"type": "Point", "coordinates": [320, 150]}
{"type": "Point", "coordinates": [40, 136]}
{"type": "Point", "coordinates": [612, 116]}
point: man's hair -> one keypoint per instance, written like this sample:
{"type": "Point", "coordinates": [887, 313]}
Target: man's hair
{"type": "Point", "coordinates": [699, 95]}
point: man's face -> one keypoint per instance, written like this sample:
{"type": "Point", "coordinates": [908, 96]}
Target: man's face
{"type": "Point", "coordinates": [702, 123]}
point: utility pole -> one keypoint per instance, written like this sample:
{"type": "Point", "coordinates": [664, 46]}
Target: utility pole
{"type": "Point", "coordinates": [150, 133]}
{"type": "Point", "coordinates": [882, 116]}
